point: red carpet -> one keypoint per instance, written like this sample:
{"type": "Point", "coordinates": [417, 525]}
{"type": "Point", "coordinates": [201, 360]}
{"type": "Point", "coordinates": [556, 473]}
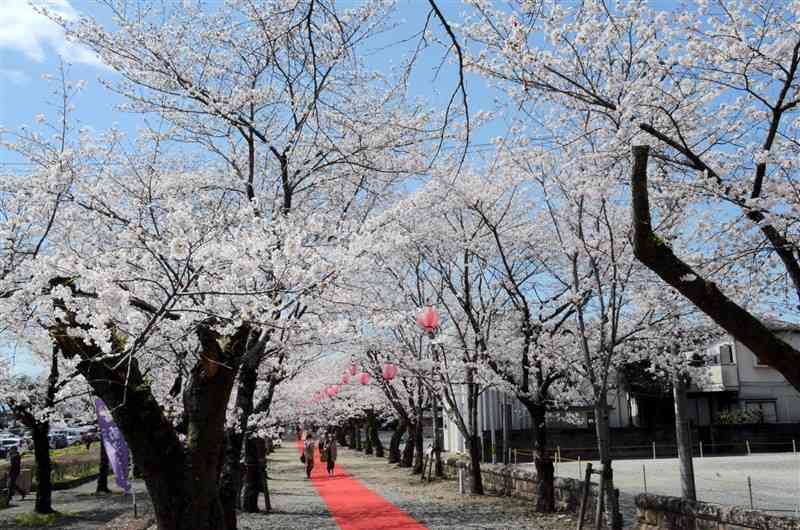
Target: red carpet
{"type": "Point", "coordinates": [353, 505]}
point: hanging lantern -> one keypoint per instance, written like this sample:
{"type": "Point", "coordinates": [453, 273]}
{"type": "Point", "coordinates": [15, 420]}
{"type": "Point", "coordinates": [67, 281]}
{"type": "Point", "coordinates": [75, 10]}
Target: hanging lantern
{"type": "Point", "coordinates": [332, 390]}
{"type": "Point", "coordinates": [428, 319]}
{"type": "Point", "coordinates": [346, 379]}
{"type": "Point", "coordinates": [363, 378]}
{"type": "Point", "coordinates": [353, 369]}
{"type": "Point", "coordinates": [389, 371]}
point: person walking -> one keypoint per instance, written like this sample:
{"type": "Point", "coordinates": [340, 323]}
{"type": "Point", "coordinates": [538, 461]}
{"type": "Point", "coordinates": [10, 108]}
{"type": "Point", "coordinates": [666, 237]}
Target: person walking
{"type": "Point", "coordinates": [308, 453]}
{"type": "Point", "coordinates": [13, 473]}
{"type": "Point", "coordinates": [330, 450]}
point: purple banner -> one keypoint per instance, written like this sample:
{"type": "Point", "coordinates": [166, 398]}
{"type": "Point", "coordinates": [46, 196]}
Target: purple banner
{"type": "Point", "coordinates": [114, 443]}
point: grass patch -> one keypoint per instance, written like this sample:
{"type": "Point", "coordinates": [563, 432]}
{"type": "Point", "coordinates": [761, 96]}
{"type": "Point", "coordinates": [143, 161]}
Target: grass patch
{"type": "Point", "coordinates": [38, 520]}
{"type": "Point", "coordinates": [74, 450]}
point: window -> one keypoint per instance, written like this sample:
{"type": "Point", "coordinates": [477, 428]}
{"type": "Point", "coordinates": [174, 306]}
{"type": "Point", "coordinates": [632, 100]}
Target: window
{"type": "Point", "coordinates": [766, 409]}
{"type": "Point", "coordinates": [726, 354]}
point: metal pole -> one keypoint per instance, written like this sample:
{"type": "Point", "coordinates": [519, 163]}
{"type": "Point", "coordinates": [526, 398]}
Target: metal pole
{"type": "Point", "coordinates": [747, 443]}
{"type": "Point", "coordinates": [794, 446]}
{"type": "Point", "coordinates": [585, 498]}
{"type": "Point", "coordinates": [701, 448]}
{"type": "Point", "coordinates": [683, 437]}
{"type": "Point", "coordinates": [750, 491]}
{"type": "Point", "coordinates": [644, 478]}
{"type": "Point", "coordinates": [579, 466]}
{"type": "Point", "coordinates": [654, 450]}
{"type": "Point", "coordinates": [600, 504]}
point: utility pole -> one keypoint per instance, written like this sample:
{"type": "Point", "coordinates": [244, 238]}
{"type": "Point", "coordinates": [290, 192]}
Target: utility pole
{"type": "Point", "coordinates": [683, 436]}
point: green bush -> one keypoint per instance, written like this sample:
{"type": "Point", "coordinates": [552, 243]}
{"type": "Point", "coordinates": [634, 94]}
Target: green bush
{"type": "Point", "coordinates": [740, 416]}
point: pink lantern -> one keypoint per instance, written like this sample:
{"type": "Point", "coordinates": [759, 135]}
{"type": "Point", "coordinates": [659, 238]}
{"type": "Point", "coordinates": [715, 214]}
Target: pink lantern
{"type": "Point", "coordinates": [363, 378]}
{"type": "Point", "coordinates": [428, 319]}
{"type": "Point", "coordinates": [389, 371]}
{"type": "Point", "coordinates": [346, 379]}
{"type": "Point", "coordinates": [331, 391]}
{"type": "Point", "coordinates": [353, 369]}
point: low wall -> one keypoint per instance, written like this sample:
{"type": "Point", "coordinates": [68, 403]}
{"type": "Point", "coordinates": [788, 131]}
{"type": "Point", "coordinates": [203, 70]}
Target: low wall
{"type": "Point", "coordinates": [656, 512]}
{"type": "Point", "coordinates": [517, 482]}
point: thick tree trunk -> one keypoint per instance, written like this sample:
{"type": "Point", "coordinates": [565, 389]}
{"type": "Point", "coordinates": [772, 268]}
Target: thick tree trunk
{"type": "Point", "coordinates": [102, 478]}
{"type": "Point", "coordinates": [341, 437]}
{"type": "Point", "coordinates": [357, 431]}
{"type": "Point", "coordinates": [367, 438]}
{"type": "Point", "coordinates": [182, 480]}
{"type": "Point", "coordinates": [545, 472]}
{"type": "Point", "coordinates": [407, 457]}
{"type": "Point", "coordinates": [603, 431]}
{"type": "Point", "coordinates": [476, 482]}
{"type": "Point", "coordinates": [254, 473]}
{"type": "Point", "coordinates": [41, 450]}
{"type": "Point", "coordinates": [372, 433]}
{"type": "Point", "coordinates": [230, 480]}
{"type": "Point", "coordinates": [394, 443]}
{"type": "Point", "coordinates": [419, 450]}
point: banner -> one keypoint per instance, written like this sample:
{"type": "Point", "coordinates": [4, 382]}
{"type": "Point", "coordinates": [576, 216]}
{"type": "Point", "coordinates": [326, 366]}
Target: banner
{"type": "Point", "coordinates": [114, 443]}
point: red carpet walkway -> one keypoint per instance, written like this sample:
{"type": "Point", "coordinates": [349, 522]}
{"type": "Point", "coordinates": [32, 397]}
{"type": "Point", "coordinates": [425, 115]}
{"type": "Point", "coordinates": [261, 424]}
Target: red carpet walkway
{"type": "Point", "coordinates": [353, 505]}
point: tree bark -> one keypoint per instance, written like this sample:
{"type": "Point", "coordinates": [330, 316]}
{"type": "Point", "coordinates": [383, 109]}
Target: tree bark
{"type": "Point", "coordinates": [367, 437]}
{"type": "Point", "coordinates": [476, 482]}
{"type": "Point", "coordinates": [357, 432]}
{"type": "Point", "coordinates": [341, 437]}
{"type": "Point", "coordinates": [683, 437]}
{"type": "Point", "coordinates": [182, 481]}
{"type": "Point", "coordinates": [545, 471]}
{"type": "Point", "coordinates": [394, 443]}
{"type": "Point", "coordinates": [254, 473]}
{"type": "Point", "coordinates": [603, 431]}
{"type": "Point", "coordinates": [41, 450]}
{"type": "Point", "coordinates": [657, 256]}
{"type": "Point", "coordinates": [419, 450]}
{"type": "Point", "coordinates": [407, 456]}
{"type": "Point", "coordinates": [102, 478]}
{"type": "Point", "coordinates": [372, 433]}
{"type": "Point", "coordinates": [230, 480]}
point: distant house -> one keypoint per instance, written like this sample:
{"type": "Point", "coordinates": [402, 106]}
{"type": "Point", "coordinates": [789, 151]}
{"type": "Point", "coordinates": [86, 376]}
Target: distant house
{"type": "Point", "coordinates": [735, 379]}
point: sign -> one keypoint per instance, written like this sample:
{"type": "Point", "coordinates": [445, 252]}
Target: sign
{"type": "Point", "coordinates": [114, 443]}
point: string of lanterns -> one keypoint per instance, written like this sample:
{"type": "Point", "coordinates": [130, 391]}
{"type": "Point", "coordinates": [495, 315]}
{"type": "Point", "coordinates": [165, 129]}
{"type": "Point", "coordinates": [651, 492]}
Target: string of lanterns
{"type": "Point", "coordinates": [427, 319]}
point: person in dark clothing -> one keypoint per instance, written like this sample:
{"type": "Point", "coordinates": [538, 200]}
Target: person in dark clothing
{"type": "Point", "coordinates": [13, 473]}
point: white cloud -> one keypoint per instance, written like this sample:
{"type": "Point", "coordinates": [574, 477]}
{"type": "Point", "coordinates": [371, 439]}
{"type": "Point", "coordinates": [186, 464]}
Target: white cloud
{"type": "Point", "coordinates": [17, 77]}
{"type": "Point", "coordinates": [24, 30]}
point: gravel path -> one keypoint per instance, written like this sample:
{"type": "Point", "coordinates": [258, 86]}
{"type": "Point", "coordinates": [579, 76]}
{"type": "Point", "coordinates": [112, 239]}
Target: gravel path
{"type": "Point", "coordinates": [296, 504]}
{"type": "Point", "coordinates": [82, 509]}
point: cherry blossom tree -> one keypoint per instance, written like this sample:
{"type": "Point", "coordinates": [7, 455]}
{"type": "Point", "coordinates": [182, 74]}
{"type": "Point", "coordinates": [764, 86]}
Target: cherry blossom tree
{"type": "Point", "coordinates": [712, 88]}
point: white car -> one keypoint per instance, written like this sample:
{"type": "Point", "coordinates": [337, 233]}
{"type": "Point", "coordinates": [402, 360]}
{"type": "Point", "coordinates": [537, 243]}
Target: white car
{"type": "Point", "coordinates": [8, 443]}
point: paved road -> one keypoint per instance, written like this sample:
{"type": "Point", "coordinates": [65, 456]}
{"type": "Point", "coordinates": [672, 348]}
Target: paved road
{"type": "Point", "coordinates": [775, 479]}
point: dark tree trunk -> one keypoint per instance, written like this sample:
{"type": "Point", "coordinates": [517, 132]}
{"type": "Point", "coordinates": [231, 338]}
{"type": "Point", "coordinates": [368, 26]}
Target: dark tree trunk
{"type": "Point", "coordinates": [545, 472]}
{"type": "Point", "coordinates": [102, 478]}
{"type": "Point", "coordinates": [367, 439]}
{"type": "Point", "coordinates": [230, 480]}
{"type": "Point", "coordinates": [341, 436]}
{"type": "Point", "coordinates": [352, 444]}
{"type": "Point", "coordinates": [476, 482]}
{"type": "Point", "coordinates": [182, 480]}
{"type": "Point", "coordinates": [394, 444]}
{"type": "Point", "coordinates": [419, 456]}
{"type": "Point", "coordinates": [254, 473]}
{"type": "Point", "coordinates": [407, 457]}
{"type": "Point", "coordinates": [41, 450]}
{"type": "Point", "coordinates": [372, 433]}
{"type": "Point", "coordinates": [357, 431]}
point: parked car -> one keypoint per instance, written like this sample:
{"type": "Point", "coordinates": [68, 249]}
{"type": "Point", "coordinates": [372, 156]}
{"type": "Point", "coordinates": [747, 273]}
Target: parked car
{"type": "Point", "coordinates": [58, 440]}
{"type": "Point", "coordinates": [8, 443]}
{"type": "Point", "coordinates": [74, 436]}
